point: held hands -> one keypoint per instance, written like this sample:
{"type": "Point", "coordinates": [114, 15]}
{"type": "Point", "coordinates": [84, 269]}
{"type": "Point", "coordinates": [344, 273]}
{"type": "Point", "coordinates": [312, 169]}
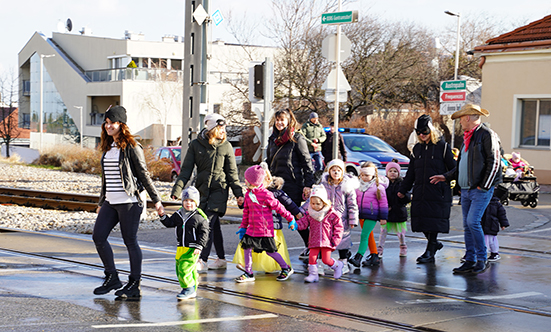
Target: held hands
{"type": "Point", "coordinates": [293, 224]}
{"type": "Point", "coordinates": [399, 194]}
{"type": "Point", "coordinates": [241, 232]}
{"type": "Point", "coordinates": [240, 202]}
{"type": "Point", "coordinates": [383, 222]}
{"type": "Point", "coordinates": [160, 209]}
{"type": "Point", "coordinates": [196, 252]}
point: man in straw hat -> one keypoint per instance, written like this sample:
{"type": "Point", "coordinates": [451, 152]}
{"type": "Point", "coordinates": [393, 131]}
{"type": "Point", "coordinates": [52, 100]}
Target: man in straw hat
{"type": "Point", "coordinates": [478, 170]}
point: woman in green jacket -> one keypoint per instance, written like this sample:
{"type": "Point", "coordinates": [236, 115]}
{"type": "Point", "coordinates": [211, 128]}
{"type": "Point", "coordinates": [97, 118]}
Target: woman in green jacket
{"type": "Point", "coordinates": [217, 171]}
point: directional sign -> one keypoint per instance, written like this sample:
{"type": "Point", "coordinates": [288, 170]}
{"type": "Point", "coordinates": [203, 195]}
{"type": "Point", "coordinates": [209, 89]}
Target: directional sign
{"type": "Point", "coordinates": [453, 85]}
{"type": "Point", "coordinates": [450, 108]}
{"type": "Point", "coordinates": [456, 96]}
{"type": "Point", "coordinates": [340, 17]}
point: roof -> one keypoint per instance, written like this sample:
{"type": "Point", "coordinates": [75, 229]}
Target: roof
{"type": "Point", "coordinates": [531, 36]}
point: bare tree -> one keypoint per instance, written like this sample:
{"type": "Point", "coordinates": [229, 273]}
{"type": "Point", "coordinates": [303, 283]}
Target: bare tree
{"type": "Point", "coordinates": [9, 125]}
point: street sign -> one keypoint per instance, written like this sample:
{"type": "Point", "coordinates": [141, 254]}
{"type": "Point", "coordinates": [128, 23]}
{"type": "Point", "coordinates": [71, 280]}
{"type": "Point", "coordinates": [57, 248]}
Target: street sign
{"type": "Point", "coordinates": [450, 108]}
{"type": "Point", "coordinates": [330, 96]}
{"type": "Point", "coordinates": [217, 17]}
{"type": "Point", "coordinates": [340, 17]}
{"type": "Point", "coordinates": [328, 47]}
{"type": "Point", "coordinates": [453, 85]}
{"type": "Point", "coordinates": [200, 14]}
{"type": "Point", "coordinates": [331, 81]}
{"type": "Point", "coordinates": [455, 96]}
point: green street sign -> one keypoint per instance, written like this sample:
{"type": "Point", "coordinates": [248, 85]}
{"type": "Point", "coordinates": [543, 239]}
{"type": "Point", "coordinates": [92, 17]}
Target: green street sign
{"type": "Point", "coordinates": [453, 85]}
{"type": "Point", "coordinates": [340, 17]}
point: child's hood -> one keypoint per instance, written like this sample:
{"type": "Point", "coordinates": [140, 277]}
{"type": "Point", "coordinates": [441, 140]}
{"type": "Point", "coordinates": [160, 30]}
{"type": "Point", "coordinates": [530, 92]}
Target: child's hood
{"type": "Point", "coordinates": [349, 182]}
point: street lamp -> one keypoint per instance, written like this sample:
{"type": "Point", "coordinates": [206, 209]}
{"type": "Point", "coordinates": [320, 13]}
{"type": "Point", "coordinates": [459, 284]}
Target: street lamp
{"type": "Point", "coordinates": [457, 41]}
{"type": "Point", "coordinates": [42, 56]}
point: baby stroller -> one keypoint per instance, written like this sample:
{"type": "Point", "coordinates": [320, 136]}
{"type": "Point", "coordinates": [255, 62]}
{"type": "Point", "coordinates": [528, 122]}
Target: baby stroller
{"type": "Point", "coordinates": [524, 188]}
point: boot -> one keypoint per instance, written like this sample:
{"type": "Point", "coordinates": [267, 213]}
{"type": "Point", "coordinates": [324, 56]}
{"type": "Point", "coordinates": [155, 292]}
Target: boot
{"type": "Point", "coordinates": [356, 260]}
{"type": "Point", "coordinates": [131, 289]}
{"type": "Point", "coordinates": [428, 256]}
{"type": "Point", "coordinates": [337, 267]}
{"type": "Point", "coordinates": [312, 273]}
{"type": "Point", "coordinates": [110, 282]}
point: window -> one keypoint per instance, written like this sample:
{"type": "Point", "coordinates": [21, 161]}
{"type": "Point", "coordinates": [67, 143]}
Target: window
{"type": "Point", "coordinates": [535, 127]}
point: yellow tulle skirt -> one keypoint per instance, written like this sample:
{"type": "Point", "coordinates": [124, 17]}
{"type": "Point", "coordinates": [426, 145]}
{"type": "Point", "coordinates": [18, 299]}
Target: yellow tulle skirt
{"type": "Point", "coordinates": [263, 262]}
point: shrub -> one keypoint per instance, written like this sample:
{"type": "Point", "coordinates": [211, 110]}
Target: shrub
{"type": "Point", "coordinates": [161, 169]}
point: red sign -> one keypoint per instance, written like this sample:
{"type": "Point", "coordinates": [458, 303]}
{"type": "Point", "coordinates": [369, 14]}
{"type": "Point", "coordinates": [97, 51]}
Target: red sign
{"type": "Point", "coordinates": [453, 96]}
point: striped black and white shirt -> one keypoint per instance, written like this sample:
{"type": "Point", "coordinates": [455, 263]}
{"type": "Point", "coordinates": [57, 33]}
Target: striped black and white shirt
{"type": "Point", "coordinates": [114, 190]}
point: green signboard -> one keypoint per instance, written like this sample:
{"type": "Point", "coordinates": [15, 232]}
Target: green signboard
{"type": "Point", "coordinates": [340, 17]}
{"type": "Point", "coordinates": [453, 85]}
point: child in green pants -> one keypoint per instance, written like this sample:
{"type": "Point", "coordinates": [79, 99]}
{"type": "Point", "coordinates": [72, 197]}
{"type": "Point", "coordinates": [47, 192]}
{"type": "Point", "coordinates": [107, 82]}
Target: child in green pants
{"type": "Point", "coordinates": [192, 232]}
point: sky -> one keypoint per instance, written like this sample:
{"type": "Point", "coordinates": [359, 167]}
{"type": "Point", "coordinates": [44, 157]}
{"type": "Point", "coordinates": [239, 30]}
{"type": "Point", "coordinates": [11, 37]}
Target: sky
{"type": "Point", "coordinates": [110, 18]}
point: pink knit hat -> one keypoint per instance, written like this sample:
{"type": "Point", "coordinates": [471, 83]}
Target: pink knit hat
{"type": "Point", "coordinates": [255, 175]}
{"type": "Point", "coordinates": [393, 165]}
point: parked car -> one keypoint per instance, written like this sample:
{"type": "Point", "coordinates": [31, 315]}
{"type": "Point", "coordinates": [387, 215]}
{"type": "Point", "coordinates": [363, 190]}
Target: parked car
{"type": "Point", "coordinates": [361, 147]}
{"type": "Point", "coordinates": [171, 153]}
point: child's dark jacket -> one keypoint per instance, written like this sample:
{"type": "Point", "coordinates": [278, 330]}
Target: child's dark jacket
{"type": "Point", "coordinates": [397, 211]}
{"type": "Point", "coordinates": [494, 217]}
{"type": "Point", "coordinates": [192, 229]}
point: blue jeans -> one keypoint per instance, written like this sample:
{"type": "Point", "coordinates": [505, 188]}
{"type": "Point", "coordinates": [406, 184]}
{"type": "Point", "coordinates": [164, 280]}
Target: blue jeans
{"type": "Point", "coordinates": [473, 205]}
{"type": "Point", "coordinates": [317, 160]}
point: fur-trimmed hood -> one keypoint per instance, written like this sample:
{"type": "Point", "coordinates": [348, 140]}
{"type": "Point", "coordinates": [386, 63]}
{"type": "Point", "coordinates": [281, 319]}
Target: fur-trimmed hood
{"type": "Point", "coordinates": [349, 183]}
{"type": "Point", "coordinates": [277, 183]}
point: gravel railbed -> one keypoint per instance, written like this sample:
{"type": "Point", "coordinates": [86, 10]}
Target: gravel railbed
{"type": "Point", "coordinates": [36, 219]}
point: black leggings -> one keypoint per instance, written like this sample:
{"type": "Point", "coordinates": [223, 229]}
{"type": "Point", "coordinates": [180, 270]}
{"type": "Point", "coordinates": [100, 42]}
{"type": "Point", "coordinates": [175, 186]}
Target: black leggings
{"type": "Point", "coordinates": [129, 217]}
{"type": "Point", "coordinates": [215, 235]}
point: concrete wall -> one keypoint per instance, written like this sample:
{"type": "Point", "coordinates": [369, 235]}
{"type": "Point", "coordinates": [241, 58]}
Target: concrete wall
{"type": "Point", "coordinates": [507, 78]}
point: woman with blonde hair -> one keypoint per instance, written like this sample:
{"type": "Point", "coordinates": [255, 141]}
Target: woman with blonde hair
{"type": "Point", "coordinates": [214, 158]}
{"type": "Point", "coordinates": [431, 203]}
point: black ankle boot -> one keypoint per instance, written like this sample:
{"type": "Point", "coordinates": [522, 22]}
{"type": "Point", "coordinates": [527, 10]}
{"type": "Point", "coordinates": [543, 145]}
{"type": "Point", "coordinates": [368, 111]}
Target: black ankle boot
{"type": "Point", "coordinates": [356, 260]}
{"type": "Point", "coordinates": [428, 256]}
{"type": "Point", "coordinates": [131, 289]}
{"type": "Point", "coordinates": [110, 282]}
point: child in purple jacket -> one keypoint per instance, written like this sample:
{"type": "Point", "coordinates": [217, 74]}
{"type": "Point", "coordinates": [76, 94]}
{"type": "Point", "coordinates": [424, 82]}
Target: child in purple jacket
{"type": "Point", "coordinates": [257, 228]}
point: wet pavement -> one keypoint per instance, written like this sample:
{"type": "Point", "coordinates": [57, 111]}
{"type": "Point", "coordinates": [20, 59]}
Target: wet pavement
{"type": "Point", "coordinates": [40, 294]}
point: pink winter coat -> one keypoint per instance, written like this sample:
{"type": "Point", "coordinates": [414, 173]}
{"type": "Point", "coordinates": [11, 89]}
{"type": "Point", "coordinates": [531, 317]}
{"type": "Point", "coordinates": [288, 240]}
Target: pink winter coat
{"type": "Point", "coordinates": [323, 234]}
{"type": "Point", "coordinates": [257, 216]}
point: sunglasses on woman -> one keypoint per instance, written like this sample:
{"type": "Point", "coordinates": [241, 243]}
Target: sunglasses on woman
{"type": "Point", "coordinates": [424, 131]}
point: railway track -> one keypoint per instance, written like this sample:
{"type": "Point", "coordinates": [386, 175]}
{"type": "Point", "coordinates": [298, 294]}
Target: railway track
{"type": "Point", "coordinates": [393, 325]}
{"type": "Point", "coordinates": [56, 200]}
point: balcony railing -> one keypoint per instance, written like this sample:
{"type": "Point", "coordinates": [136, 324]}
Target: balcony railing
{"type": "Point", "coordinates": [134, 74]}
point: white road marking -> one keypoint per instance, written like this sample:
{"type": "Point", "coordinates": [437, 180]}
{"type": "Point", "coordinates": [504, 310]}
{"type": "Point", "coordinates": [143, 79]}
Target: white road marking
{"type": "Point", "coordinates": [483, 297]}
{"type": "Point", "coordinates": [197, 321]}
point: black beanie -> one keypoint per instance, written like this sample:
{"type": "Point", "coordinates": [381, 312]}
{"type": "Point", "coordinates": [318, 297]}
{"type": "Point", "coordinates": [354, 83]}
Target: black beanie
{"type": "Point", "coordinates": [116, 114]}
{"type": "Point", "coordinates": [423, 122]}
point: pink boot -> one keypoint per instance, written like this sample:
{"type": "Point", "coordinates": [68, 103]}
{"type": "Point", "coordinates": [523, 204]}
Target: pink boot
{"type": "Point", "coordinates": [337, 267]}
{"type": "Point", "coordinates": [312, 273]}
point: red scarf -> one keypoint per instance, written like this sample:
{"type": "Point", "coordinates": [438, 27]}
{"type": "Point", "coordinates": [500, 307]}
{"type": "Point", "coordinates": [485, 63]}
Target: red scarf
{"type": "Point", "coordinates": [467, 135]}
{"type": "Point", "coordinates": [284, 137]}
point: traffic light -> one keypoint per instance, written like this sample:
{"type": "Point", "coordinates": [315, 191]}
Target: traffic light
{"type": "Point", "coordinates": [259, 81]}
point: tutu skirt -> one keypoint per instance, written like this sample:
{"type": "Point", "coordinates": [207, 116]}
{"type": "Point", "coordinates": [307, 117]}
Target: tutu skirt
{"type": "Point", "coordinates": [261, 261]}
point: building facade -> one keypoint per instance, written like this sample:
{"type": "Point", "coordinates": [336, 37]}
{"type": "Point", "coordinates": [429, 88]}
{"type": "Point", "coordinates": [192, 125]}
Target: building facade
{"type": "Point", "coordinates": [516, 68]}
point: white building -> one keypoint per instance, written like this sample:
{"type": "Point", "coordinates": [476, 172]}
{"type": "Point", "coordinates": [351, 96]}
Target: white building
{"type": "Point", "coordinates": [87, 74]}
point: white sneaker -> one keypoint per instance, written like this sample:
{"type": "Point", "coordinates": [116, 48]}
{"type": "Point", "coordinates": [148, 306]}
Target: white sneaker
{"type": "Point", "coordinates": [321, 268]}
{"type": "Point", "coordinates": [218, 264]}
{"type": "Point", "coordinates": [201, 266]}
{"type": "Point", "coordinates": [345, 268]}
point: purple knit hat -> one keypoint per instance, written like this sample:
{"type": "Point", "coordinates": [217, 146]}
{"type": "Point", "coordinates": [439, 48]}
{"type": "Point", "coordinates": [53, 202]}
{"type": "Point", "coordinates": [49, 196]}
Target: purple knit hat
{"type": "Point", "coordinates": [393, 165]}
{"type": "Point", "coordinates": [255, 175]}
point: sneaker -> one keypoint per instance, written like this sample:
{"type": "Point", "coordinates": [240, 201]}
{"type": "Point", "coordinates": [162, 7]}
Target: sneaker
{"type": "Point", "coordinates": [494, 257]}
{"type": "Point", "coordinates": [372, 260]}
{"type": "Point", "coordinates": [201, 266]}
{"type": "Point", "coordinates": [356, 260]}
{"type": "Point", "coordinates": [245, 277]}
{"type": "Point", "coordinates": [218, 264]}
{"type": "Point", "coordinates": [380, 251]}
{"type": "Point", "coordinates": [481, 266]}
{"type": "Point", "coordinates": [305, 254]}
{"type": "Point", "coordinates": [321, 268]}
{"type": "Point", "coordinates": [187, 293]}
{"type": "Point", "coordinates": [403, 250]}
{"type": "Point", "coordinates": [285, 274]}
{"type": "Point", "coordinates": [110, 282]}
{"type": "Point", "coordinates": [466, 267]}
{"type": "Point", "coordinates": [131, 289]}
{"type": "Point", "coordinates": [345, 268]}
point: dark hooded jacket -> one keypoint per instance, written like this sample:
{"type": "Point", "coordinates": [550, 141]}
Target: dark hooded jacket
{"type": "Point", "coordinates": [291, 161]}
{"type": "Point", "coordinates": [494, 217]}
{"type": "Point", "coordinates": [216, 173]}
{"type": "Point", "coordinates": [431, 203]}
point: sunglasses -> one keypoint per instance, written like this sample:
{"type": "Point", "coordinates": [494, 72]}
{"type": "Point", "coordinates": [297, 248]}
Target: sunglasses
{"type": "Point", "coordinates": [424, 131]}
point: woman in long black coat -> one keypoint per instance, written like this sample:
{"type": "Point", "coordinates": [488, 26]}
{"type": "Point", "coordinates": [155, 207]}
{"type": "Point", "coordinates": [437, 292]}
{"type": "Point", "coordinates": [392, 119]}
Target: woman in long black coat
{"type": "Point", "coordinates": [431, 203]}
{"type": "Point", "coordinates": [288, 157]}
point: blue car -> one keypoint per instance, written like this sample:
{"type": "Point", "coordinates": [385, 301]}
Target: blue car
{"type": "Point", "coordinates": [361, 148]}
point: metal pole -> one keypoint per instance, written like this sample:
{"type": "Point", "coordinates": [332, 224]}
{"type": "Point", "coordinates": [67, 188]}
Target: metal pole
{"type": "Point", "coordinates": [41, 102]}
{"type": "Point", "coordinates": [456, 66]}
{"type": "Point", "coordinates": [268, 91]}
{"type": "Point", "coordinates": [81, 125]}
{"type": "Point", "coordinates": [338, 68]}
